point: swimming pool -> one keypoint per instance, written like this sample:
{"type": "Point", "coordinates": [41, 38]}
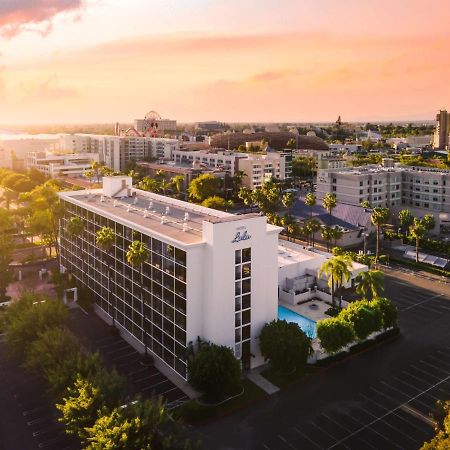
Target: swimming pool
{"type": "Point", "coordinates": [307, 325]}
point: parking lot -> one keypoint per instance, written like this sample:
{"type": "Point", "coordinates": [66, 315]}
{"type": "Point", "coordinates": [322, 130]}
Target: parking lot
{"type": "Point", "coordinates": [147, 381]}
{"type": "Point", "coordinates": [28, 417]}
{"type": "Point", "coordinates": [379, 399]}
{"type": "Point", "coordinates": [27, 414]}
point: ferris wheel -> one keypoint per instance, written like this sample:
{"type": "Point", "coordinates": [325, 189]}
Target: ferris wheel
{"type": "Point", "coordinates": [151, 124]}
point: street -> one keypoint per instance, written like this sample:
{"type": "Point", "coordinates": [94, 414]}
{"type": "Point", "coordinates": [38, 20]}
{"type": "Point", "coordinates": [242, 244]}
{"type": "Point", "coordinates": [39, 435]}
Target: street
{"type": "Point", "coordinates": [379, 399]}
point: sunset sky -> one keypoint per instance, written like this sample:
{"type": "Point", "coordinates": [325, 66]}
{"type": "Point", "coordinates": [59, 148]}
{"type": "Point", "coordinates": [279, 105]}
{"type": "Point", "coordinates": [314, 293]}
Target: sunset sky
{"type": "Point", "coordinates": [247, 60]}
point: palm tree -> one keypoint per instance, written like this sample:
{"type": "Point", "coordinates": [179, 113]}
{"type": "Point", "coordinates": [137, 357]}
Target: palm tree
{"type": "Point", "coordinates": [379, 217]}
{"type": "Point", "coordinates": [290, 224]}
{"type": "Point", "coordinates": [164, 185]}
{"type": "Point", "coordinates": [371, 284]}
{"type": "Point", "coordinates": [405, 219]}
{"type": "Point", "coordinates": [310, 200]}
{"type": "Point", "coordinates": [177, 183]}
{"type": "Point", "coordinates": [312, 227]}
{"type": "Point", "coordinates": [336, 233]}
{"type": "Point", "coordinates": [246, 195]}
{"type": "Point", "coordinates": [96, 168]}
{"type": "Point", "coordinates": [337, 270]}
{"type": "Point", "coordinates": [418, 231]}
{"type": "Point", "coordinates": [236, 181]}
{"type": "Point", "coordinates": [137, 255]}
{"type": "Point", "coordinates": [75, 226]}
{"type": "Point", "coordinates": [105, 239]}
{"type": "Point", "coordinates": [288, 200]}
{"type": "Point", "coordinates": [365, 204]}
{"type": "Point", "coordinates": [329, 203]}
{"type": "Point", "coordinates": [160, 175]}
{"type": "Point", "coordinates": [327, 235]}
{"type": "Point", "coordinates": [89, 174]}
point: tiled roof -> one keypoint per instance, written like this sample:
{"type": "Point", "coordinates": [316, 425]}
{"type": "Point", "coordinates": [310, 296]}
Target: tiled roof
{"type": "Point", "coordinates": [346, 216]}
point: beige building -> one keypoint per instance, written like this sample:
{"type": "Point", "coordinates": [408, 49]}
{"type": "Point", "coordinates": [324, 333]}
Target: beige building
{"type": "Point", "coordinates": [420, 189]}
{"type": "Point", "coordinates": [442, 132]}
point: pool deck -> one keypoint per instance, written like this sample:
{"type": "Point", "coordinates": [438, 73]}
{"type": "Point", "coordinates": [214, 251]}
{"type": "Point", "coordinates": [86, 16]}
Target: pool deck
{"type": "Point", "coordinates": [305, 310]}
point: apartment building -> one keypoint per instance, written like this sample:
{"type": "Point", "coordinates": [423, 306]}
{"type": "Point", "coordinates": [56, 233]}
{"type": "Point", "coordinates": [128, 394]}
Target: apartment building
{"type": "Point", "coordinates": [423, 190]}
{"type": "Point", "coordinates": [116, 151]}
{"type": "Point", "coordinates": [54, 164]}
{"type": "Point", "coordinates": [257, 167]}
{"type": "Point", "coordinates": [441, 137]}
{"type": "Point", "coordinates": [210, 274]}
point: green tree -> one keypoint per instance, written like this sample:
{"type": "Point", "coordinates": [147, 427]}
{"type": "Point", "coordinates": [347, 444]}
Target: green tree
{"type": "Point", "coordinates": [288, 200]}
{"type": "Point", "coordinates": [204, 186]}
{"type": "Point", "coordinates": [327, 235]}
{"type": "Point", "coordinates": [310, 201]}
{"type": "Point", "coordinates": [312, 227]}
{"type": "Point", "coordinates": [215, 371]}
{"type": "Point", "coordinates": [370, 284]}
{"type": "Point", "coordinates": [291, 143]}
{"type": "Point", "coordinates": [177, 182]}
{"type": "Point", "coordinates": [363, 317]}
{"type": "Point", "coordinates": [429, 222]}
{"type": "Point", "coordinates": [336, 234]}
{"type": "Point", "coordinates": [405, 219]}
{"type": "Point", "coordinates": [329, 202]}
{"type": "Point", "coordinates": [144, 425]}
{"type": "Point", "coordinates": [334, 334]}
{"type": "Point", "coordinates": [388, 310]}
{"type": "Point", "coordinates": [246, 195]}
{"type": "Point", "coordinates": [442, 427]}
{"type": "Point", "coordinates": [285, 345]}
{"type": "Point", "coordinates": [105, 239]}
{"type": "Point", "coordinates": [217, 202]}
{"type": "Point", "coordinates": [75, 226]}
{"type": "Point", "coordinates": [379, 217]}
{"type": "Point", "coordinates": [337, 271]}
{"type": "Point", "coordinates": [365, 204]}
{"type": "Point", "coordinates": [290, 225]}
{"type": "Point", "coordinates": [28, 317]}
{"type": "Point", "coordinates": [418, 231]}
{"type": "Point", "coordinates": [150, 185]}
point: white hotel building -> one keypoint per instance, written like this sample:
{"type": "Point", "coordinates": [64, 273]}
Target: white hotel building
{"type": "Point", "coordinates": [210, 274]}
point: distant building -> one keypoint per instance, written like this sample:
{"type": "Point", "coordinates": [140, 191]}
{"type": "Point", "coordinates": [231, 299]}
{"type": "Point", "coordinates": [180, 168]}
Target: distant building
{"type": "Point", "coordinates": [210, 126]}
{"type": "Point", "coordinates": [345, 148]}
{"type": "Point", "coordinates": [258, 168]}
{"type": "Point", "coordinates": [116, 151]}
{"type": "Point", "coordinates": [441, 134]}
{"type": "Point", "coordinates": [422, 190]}
{"type": "Point", "coordinates": [276, 141]}
{"type": "Point", "coordinates": [57, 165]}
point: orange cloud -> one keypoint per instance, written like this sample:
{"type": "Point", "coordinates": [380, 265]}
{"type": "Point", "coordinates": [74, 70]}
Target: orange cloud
{"type": "Point", "coordinates": [17, 15]}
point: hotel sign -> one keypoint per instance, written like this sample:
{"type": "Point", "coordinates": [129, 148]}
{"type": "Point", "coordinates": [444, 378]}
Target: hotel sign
{"type": "Point", "coordinates": [241, 236]}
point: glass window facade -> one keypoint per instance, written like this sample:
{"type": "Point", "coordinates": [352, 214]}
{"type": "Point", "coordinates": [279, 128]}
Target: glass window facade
{"type": "Point", "coordinates": [242, 290]}
{"type": "Point", "coordinates": [148, 301]}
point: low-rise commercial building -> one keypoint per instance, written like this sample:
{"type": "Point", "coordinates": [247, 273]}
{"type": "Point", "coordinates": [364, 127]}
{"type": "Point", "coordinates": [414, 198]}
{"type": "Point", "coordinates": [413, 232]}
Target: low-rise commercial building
{"type": "Point", "coordinates": [55, 165]}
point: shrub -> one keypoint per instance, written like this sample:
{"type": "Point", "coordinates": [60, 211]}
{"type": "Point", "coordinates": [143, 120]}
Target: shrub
{"type": "Point", "coordinates": [363, 317]}
{"type": "Point", "coordinates": [388, 312]}
{"type": "Point", "coordinates": [29, 316]}
{"type": "Point", "coordinates": [285, 345]}
{"type": "Point", "coordinates": [334, 334]}
{"type": "Point", "coordinates": [214, 371]}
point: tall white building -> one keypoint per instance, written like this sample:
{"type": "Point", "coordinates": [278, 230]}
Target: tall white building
{"type": "Point", "coordinates": [116, 151]}
{"type": "Point", "coordinates": [210, 274]}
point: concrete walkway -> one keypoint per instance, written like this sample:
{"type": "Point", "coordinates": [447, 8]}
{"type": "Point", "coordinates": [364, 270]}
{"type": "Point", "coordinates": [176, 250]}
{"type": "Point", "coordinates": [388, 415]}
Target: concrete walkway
{"type": "Point", "coordinates": [263, 383]}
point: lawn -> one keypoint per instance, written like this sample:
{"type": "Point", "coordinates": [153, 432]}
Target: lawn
{"type": "Point", "coordinates": [193, 412]}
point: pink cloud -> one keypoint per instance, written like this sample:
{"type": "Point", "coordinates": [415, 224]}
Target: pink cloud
{"type": "Point", "coordinates": [18, 15]}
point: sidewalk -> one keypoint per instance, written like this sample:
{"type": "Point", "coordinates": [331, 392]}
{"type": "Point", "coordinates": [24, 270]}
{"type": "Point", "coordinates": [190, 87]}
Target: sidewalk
{"type": "Point", "coordinates": [256, 377]}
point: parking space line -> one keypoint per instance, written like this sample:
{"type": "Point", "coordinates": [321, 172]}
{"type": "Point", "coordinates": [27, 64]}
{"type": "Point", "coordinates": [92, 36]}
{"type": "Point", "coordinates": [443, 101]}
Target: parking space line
{"type": "Point", "coordinates": [418, 369]}
{"type": "Point", "coordinates": [413, 387]}
{"type": "Point", "coordinates": [154, 385]}
{"type": "Point", "coordinates": [414, 412]}
{"type": "Point", "coordinates": [282, 439]}
{"type": "Point", "coordinates": [393, 413]}
{"type": "Point", "coordinates": [124, 356]}
{"type": "Point", "coordinates": [434, 367]}
{"type": "Point", "coordinates": [409, 374]}
{"type": "Point", "coordinates": [389, 412]}
{"type": "Point", "coordinates": [307, 437]}
{"type": "Point", "coordinates": [323, 430]}
{"type": "Point", "coordinates": [423, 301]}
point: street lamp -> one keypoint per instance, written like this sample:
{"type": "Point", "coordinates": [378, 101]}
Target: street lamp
{"type": "Point", "coordinates": [365, 242]}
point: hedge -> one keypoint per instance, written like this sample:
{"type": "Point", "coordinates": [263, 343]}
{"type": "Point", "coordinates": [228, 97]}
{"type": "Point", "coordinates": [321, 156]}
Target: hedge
{"type": "Point", "coordinates": [356, 322]}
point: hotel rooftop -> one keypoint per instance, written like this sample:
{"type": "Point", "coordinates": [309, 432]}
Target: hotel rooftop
{"type": "Point", "coordinates": [171, 218]}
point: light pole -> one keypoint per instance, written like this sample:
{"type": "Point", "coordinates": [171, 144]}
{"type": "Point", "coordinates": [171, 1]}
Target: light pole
{"type": "Point", "coordinates": [365, 242]}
